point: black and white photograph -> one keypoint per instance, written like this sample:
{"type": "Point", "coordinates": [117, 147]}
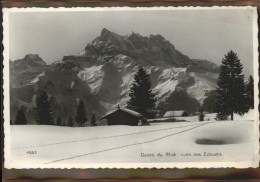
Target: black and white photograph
{"type": "Point", "coordinates": [131, 87]}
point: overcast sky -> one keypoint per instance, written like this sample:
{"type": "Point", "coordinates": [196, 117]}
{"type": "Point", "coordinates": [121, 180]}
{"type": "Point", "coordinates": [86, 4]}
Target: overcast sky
{"type": "Point", "coordinates": [199, 34]}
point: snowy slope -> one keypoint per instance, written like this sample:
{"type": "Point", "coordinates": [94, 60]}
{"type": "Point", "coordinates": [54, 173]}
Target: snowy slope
{"type": "Point", "coordinates": [164, 81]}
{"type": "Point", "coordinates": [36, 79]}
{"type": "Point", "coordinates": [93, 76]}
{"type": "Point", "coordinates": [203, 84]}
{"type": "Point", "coordinates": [167, 81]}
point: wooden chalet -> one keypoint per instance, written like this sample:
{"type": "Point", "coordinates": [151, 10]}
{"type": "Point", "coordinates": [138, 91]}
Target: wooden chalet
{"type": "Point", "coordinates": [123, 116]}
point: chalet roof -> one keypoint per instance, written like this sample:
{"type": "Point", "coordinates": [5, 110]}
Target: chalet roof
{"type": "Point", "coordinates": [173, 113]}
{"type": "Point", "coordinates": [129, 111]}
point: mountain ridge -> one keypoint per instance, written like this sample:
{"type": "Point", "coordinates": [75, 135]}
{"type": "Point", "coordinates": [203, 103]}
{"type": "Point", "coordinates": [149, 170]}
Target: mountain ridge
{"type": "Point", "coordinates": [103, 72]}
{"type": "Point", "coordinates": [152, 50]}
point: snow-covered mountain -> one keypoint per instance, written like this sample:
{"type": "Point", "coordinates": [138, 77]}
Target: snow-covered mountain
{"type": "Point", "coordinates": [103, 72]}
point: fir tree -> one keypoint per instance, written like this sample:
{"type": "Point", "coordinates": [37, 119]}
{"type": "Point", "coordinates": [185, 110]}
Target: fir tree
{"type": "Point", "coordinates": [20, 118]}
{"type": "Point", "coordinates": [93, 120]}
{"type": "Point", "coordinates": [141, 96]}
{"type": "Point", "coordinates": [58, 122]}
{"type": "Point", "coordinates": [209, 103]}
{"type": "Point", "coordinates": [44, 115]}
{"type": "Point", "coordinates": [201, 114]}
{"type": "Point", "coordinates": [231, 88]}
{"type": "Point", "coordinates": [63, 124]}
{"type": "Point", "coordinates": [81, 114]}
{"type": "Point", "coordinates": [70, 123]}
{"type": "Point", "coordinates": [250, 93]}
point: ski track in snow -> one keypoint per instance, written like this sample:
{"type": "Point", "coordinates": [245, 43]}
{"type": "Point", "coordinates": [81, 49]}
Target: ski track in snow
{"type": "Point", "coordinates": [113, 136]}
{"type": "Point", "coordinates": [126, 143]}
{"type": "Point", "coordinates": [124, 146]}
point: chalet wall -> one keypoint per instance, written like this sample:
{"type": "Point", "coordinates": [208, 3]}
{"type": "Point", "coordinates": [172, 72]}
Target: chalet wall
{"type": "Point", "coordinates": [122, 118]}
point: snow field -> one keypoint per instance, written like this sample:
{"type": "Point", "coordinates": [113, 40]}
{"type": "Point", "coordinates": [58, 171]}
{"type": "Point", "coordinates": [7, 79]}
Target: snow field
{"type": "Point", "coordinates": [125, 144]}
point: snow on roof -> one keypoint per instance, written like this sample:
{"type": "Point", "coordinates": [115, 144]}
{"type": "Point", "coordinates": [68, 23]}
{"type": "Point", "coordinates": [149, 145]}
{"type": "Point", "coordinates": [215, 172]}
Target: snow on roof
{"type": "Point", "coordinates": [173, 113]}
{"type": "Point", "coordinates": [108, 113]}
{"type": "Point", "coordinates": [129, 111]}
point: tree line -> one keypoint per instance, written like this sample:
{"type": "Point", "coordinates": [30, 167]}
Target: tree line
{"type": "Point", "coordinates": [233, 95]}
{"type": "Point", "coordinates": [44, 114]}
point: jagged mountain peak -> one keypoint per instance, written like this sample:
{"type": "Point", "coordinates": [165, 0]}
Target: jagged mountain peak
{"type": "Point", "coordinates": [107, 33]}
{"type": "Point", "coordinates": [134, 34]}
{"type": "Point", "coordinates": [104, 31]}
{"type": "Point", "coordinates": [31, 60]}
{"type": "Point", "coordinates": [154, 50]}
{"type": "Point", "coordinates": [32, 56]}
{"type": "Point", "coordinates": [158, 37]}
{"type": "Point", "coordinates": [26, 69]}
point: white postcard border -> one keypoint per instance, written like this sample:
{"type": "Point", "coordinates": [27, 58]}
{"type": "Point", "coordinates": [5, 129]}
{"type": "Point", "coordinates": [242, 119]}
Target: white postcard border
{"type": "Point", "coordinates": [9, 163]}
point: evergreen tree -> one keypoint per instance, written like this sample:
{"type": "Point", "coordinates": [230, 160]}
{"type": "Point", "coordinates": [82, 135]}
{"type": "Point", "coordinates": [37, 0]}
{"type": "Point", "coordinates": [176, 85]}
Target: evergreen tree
{"type": "Point", "coordinates": [20, 118]}
{"type": "Point", "coordinates": [231, 88]}
{"type": "Point", "coordinates": [93, 120]}
{"type": "Point", "coordinates": [209, 103]}
{"type": "Point", "coordinates": [250, 93]}
{"type": "Point", "coordinates": [58, 122]}
{"type": "Point", "coordinates": [201, 114]}
{"type": "Point", "coordinates": [63, 124]}
{"type": "Point", "coordinates": [141, 96]}
{"type": "Point", "coordinates": [44, 115]}
{"type": "Point", "coordinates": [81, 114]}
{"type": "Point", "coordinates": [70, 123]}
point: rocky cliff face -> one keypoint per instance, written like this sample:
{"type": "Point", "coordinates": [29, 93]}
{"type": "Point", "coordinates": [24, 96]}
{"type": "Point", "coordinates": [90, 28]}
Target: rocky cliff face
{"type": "Point", "coordinates": [22, 71]}
{"type": "Point", "coordinates": [147, 51]}
{"type": "Point", "coordinates": [103, 72]}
